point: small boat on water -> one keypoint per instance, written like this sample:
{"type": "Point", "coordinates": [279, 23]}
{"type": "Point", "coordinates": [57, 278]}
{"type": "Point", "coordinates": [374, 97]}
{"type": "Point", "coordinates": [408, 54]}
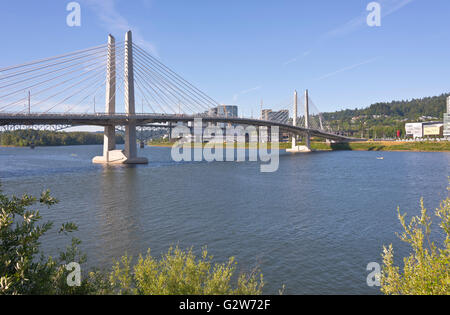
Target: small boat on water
{"type": "Point", "coordinates": [380, 158]}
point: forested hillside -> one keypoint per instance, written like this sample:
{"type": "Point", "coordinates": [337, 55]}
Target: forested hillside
{"type": "Point", "coordinates": [429, 106]}
{"type": "Point", "coordinates": [384, 119]}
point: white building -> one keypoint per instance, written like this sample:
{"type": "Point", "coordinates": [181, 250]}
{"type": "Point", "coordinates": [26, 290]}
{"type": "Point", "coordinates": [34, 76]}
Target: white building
{"type": "Point", "coordinates": [414, 130]}
{"type": "Point", "coordinates": [424, 129]}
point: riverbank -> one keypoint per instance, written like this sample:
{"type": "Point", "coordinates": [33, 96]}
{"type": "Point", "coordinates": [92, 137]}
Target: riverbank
{"type": "Point", "coordinates": [39, 138]}
{"type": "Point", "coordinates": [317, 146]}
{"type": "Point", "coordinates": [355, 146]}
{"type": "Point", "coordinates": [389, 146]}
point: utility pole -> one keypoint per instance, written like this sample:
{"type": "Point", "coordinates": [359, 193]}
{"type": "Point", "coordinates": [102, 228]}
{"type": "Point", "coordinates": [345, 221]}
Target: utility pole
{"type": "Point", "coordinates": [29, 102]}
{"type": "Point", "coordinates": [110, 98]}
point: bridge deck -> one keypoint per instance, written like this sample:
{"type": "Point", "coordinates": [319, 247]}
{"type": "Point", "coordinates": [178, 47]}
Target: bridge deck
{"type": "Point", "coordinates": [102, 119]}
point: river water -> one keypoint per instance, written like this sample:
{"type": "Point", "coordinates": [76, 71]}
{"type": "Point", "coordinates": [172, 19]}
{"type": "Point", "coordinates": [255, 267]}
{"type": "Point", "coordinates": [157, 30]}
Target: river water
{"type": "Point", "coordinates": [312, 226]}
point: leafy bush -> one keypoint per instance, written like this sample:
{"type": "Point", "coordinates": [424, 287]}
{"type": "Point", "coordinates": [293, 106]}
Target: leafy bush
{"type": "Point", "coordinates": [23, 268]}
{"type": "Point", "coordinates": [181, 273]}
{"type": "Point", "coordinates": [427, 270]}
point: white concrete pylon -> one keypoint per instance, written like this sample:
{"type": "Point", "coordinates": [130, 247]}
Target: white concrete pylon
{"type": "Point", "coordinates": [130, 129]}
{"type": "Point", "coordinates": [294, 119]}
{"type": "Point", "coordinates": [308, 137]}
{"type": "Point", "coordinates": [130, 106]}
{"type": "Point", "coordinates": [300, 148]}
{"type": "Point", "coordinates": [129, 155]}
{"type": "Point", "coordinates": [109, 143]}
{"type": "Point", "coordinates": [110, 155]}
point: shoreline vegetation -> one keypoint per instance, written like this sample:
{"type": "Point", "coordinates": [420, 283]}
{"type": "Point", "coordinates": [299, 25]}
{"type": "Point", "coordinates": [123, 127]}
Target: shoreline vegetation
{"type": "Point", "coordinates": [383, 146]}
{"type": "Point", "coordinates": [24, 138]}
{"type": "Point", "coordinates": [386, 118]}
{"type": "Point", "coordinates": [426, 270]}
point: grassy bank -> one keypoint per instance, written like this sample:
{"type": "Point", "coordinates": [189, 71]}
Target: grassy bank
{"type": "Point", "coordinates": [391, 146]}
{"type": "Point", "coordinates": [355, 146]}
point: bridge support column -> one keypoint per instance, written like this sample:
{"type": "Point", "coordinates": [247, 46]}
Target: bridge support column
{"type": "Point", "coordinates": [308, 136]}
{"type": "Point", "coordinates": [130, 108]}
{"type": "Point", "coordinates": [110, 154]}
{"type": "Point", "coordinates": [109, 142]}
{"type": "Point", "coordinates": [300, 148]}
{"type": "Point", "coordinates": [294, 136]}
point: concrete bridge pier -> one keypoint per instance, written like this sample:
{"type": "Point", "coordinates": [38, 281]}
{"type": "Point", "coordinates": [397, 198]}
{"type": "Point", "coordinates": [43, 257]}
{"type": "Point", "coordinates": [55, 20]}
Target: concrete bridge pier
{"type": "Point", "coordinates": [130, 107]}
{"type": "Point", "coordinates": [109, 142]}
{"type": "Point", "coordinates": [307, 147]}
{"type": "Point", "coordinates": [110, 154]}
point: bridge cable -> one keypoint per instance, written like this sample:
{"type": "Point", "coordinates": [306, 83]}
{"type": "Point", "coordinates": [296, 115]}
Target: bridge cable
{"type": "Point", "coordinates": [151, 84]}
{"type": "Point", "coordinates": [178, 77]}
{"type": "Point", "coordinates": [171, 91]}
{"type": "Point", "coordinates": [52, 58]}
{"type": "Point", "coordinates": [169, 78]}
{"type": "Point", "coordinates": [174, 87]}
{"type": "Point", "coordinates": [56, 85]}
{"type": "Point", "coordinates": [48, 80]}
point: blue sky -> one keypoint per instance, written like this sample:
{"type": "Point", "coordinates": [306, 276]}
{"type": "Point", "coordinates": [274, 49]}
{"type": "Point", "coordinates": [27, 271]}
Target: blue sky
{"type": "Point", "coordinates": [242, 51]}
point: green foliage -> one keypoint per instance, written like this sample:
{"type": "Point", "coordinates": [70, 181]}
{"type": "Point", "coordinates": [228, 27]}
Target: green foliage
{"type": "Point", "coordinates": [427, 270]}
{"type": "Point", "coordinates": [22, 138]}
{"type": "Point", "coordinates": [181, 273]}
{"type": "Point", "coordinates": [384, 119]}
{"type": "Point", "coordinates": [413, 109]}
{"type": "Point", "coordinates": [385, 146]}
{"type": "Point", "coordinates": [23, 268]}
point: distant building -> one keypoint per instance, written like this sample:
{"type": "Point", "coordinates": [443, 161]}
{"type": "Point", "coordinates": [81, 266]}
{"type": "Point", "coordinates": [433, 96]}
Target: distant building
{"type": "Point", "coordinates": [447, 119]}
{"type": "Point", "coordinates": [436, 130]}
{"type": "Point", "coordinates": [228, 111]}
{"type": "Point", "coordinates": [425, 129]}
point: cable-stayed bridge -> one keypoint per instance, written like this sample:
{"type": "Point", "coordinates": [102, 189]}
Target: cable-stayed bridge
{"type": "Point", "coordinates": [119, 84]}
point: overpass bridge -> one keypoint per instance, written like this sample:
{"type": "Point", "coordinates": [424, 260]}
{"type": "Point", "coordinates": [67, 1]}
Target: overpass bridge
{"type": "Point", "coordinates": [34, 93]}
